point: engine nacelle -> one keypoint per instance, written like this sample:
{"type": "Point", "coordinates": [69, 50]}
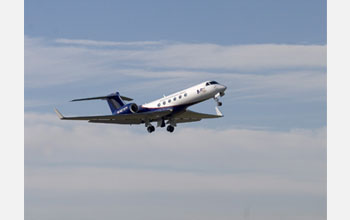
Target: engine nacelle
{"type": "Point", "coordinates": [133, 108]}
{"type": "Point", "coordinates": [130, 108]}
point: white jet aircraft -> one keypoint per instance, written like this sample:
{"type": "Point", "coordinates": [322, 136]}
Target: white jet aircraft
{"type": "Point", "coordinates": [171, 109]}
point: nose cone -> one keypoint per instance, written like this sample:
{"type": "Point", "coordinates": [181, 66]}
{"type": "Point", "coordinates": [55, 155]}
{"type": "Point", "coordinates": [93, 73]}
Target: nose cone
{"type": "Point", "coordinates": [222, 88]}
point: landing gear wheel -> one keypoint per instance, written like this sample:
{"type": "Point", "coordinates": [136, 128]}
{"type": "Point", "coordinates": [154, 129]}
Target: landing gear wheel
{"type": "Point", "coordinates": [170, 128]}
{"type": "Point", "coordinates": [217, 101]}
{"type": "Point", "coordinates": [150, 129]}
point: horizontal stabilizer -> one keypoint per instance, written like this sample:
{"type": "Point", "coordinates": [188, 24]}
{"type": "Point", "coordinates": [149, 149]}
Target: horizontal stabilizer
{"type": "Point", "coordinates": [102, 97]}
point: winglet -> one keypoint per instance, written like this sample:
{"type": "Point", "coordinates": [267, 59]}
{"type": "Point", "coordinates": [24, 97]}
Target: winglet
{"type": "Point", "coordinates": [218, 112]}
{"type": "Point", "coordinates": [59, 114]}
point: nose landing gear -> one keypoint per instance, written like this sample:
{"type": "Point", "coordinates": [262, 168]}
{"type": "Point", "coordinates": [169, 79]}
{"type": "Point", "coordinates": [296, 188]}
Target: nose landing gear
{"type": "Point", "coordinates": [218, 103]}
{"type": "Point", "coordinates": [216, 98]}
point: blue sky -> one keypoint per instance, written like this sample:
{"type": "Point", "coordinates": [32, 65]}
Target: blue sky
{"type": "Point", "coordinates": [267, 155]}
{"type": "Point", "coordinates": [223, 22]}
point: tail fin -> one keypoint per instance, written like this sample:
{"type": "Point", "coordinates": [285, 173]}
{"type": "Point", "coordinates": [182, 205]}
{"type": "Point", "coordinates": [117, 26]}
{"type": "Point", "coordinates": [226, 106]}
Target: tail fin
{"type": "Point", "coordinates": [115, 102]}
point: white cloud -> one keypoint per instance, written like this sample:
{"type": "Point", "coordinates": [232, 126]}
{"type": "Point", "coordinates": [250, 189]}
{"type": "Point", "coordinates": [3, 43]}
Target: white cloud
{"type": "Point", "coordinates": [232, 157]}
{"type": "Point", "coordinates": [249, 71]}
{"type": "Point", "coordinates": [117, 180]}
{"type": "Point", "coordinates": [244, 57]}
{"type": "Point", "coordinates": [70, 165]}
{"type": "Point", "coordinates": [47, 64]}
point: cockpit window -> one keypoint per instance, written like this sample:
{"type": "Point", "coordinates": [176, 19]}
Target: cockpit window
{"type": "Point", "coordinates": [211, 83]}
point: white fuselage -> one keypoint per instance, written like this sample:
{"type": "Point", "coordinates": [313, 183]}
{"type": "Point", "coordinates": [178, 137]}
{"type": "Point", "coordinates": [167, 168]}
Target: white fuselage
{"type": "Point", "coordinates": [192, 95]}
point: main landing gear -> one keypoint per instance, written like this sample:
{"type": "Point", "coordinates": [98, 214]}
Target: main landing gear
{"type": "Point", "coordinates": [150, 129]}
{"type": "Point", "coordinates": [170, 128]}
{"type": "Point", "coordinates": [161, 123]}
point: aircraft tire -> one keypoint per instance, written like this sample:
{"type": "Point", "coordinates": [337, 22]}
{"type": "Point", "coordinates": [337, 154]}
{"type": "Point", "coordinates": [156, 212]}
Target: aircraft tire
{"type": "Point", "coordinates": [170, 128]}
{"type": "Point", "coordinates": [150, 129]}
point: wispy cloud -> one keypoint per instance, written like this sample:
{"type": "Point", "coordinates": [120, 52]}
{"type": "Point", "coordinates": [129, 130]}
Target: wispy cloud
{"type": "Point", "coordinates": [263, 69]}
{"type": "Point", "coordinates": [105, 43]}
{"type": "Point", "coordinates": [240, 57]}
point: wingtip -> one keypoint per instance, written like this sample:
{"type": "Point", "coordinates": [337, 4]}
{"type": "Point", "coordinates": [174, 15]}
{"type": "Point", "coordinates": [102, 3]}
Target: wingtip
{"type": "Point", "coordinates": [60, 116]}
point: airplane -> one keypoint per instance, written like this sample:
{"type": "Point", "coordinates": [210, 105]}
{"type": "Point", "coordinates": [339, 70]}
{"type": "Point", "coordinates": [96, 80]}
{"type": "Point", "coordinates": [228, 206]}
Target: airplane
{"type": "Point", "coordinates": [170, 110]}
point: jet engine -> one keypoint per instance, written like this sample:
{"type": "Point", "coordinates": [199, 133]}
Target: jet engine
{"type": "Point", "coordinates": [133, 108]}
{"type": "Point", "coordinates": [130, 108]}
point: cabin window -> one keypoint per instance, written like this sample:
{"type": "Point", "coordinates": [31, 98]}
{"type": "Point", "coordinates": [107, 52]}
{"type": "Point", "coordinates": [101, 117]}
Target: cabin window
{"type": "Point", "coordinates": [174, 98]}
{"type": "Point", "coordinates": [185, 94]}
{"type": "Point", "coordinates": [180, 96]}
{"type": "Point", "coordinates": [169, 100]}
{"type": "Point", "coordinates": [164, 103]}
{"type": "Point", "coordinates": [158, 104]}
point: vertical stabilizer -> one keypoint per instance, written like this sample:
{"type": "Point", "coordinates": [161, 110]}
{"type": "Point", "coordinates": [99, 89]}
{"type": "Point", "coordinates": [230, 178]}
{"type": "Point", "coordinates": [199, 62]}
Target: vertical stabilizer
{"type": "Point", "coordinates": [115, 102]}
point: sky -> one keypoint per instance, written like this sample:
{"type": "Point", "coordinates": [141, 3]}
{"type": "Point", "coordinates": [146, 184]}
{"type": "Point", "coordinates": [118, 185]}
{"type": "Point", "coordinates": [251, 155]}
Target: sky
{"type": "Point", "coordinates": [266, 159]}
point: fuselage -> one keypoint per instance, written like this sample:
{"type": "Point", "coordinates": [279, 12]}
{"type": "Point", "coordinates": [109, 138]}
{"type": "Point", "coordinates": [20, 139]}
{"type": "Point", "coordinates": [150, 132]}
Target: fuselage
{"type": "Point", "coordinates": [181, 100]}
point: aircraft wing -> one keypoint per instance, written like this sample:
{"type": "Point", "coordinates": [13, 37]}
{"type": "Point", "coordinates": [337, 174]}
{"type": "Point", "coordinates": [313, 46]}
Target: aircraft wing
{"type": "Point", "coordinates": [136, 118]}
{"type": "Point", "coordinates": [191, 116]}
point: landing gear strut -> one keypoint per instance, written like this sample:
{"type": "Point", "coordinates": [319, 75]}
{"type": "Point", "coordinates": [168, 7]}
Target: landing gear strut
{"type": "Point", "coordinates": [218, 102]}
{"type": "Point", "coordinates": [162, 124]}
{"type": "Point", "coordinates": [216, 98]}
{"type": "Point", "coordinates": [170, 128]}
